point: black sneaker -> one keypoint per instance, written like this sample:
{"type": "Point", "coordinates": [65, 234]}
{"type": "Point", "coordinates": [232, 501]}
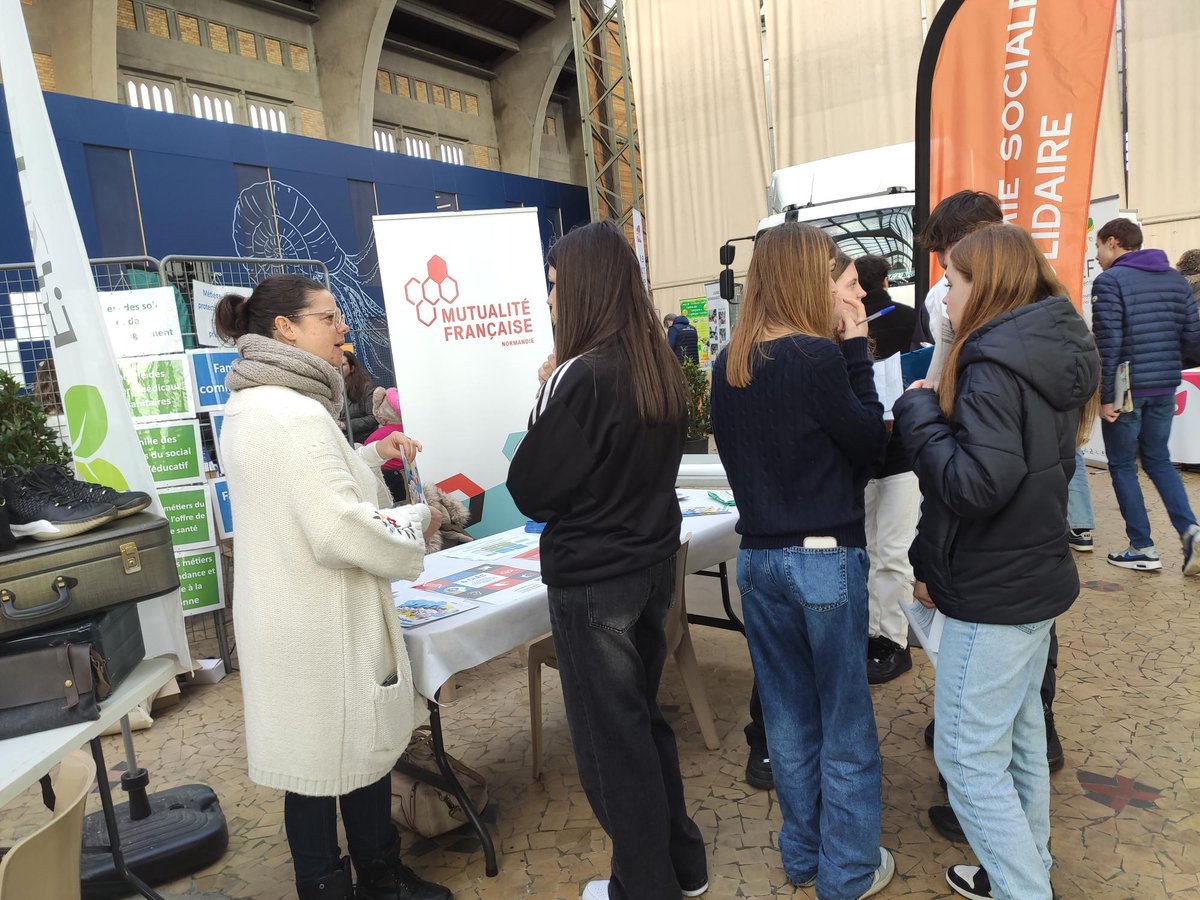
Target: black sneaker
{"type": "Point", "coordinates": [946, 823]}
{"type": "Point", "coordinates": [758, 770]}
{"type": "Point", "coordinates": [1081, 539]}
{"type": "Point", "coordinates": [970, 881]}
{"type": "Point", "coordinates": [891, 662]}
{"type": "Point", "coordinates": [1054, 748]}
{"type": "Point", "coordinates": [38, 513]}
{"type": "Point", "coordinates": [59, 480]}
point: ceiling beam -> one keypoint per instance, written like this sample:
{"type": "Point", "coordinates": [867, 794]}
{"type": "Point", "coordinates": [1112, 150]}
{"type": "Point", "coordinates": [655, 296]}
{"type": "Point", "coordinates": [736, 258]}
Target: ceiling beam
{"type": "Point", "coordinates": [442, 58]}
{"type": "Point", "coordinates": [296, 12]}
{"type": "Point", "coordinates": [457, 24]}
{"type": "Point", "coordinates": [543, 9]}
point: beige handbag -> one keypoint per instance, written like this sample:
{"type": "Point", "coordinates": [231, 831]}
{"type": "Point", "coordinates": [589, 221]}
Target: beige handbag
{"type": "Point", "coordinates": [423, 808]}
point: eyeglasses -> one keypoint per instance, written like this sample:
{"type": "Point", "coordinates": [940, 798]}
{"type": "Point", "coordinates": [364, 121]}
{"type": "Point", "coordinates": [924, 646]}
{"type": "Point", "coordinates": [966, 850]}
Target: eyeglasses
{"type": "Point", "coordinates": [331, 317]}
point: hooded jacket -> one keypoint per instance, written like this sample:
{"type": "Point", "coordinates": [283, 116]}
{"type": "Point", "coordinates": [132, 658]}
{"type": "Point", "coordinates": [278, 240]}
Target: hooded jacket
{"type": "Point", "coordinates": [992, 542]}
{"type": "Point", "coordinates": [1143, 312]}
{"type": "Point", "coordinates": [684, 340]}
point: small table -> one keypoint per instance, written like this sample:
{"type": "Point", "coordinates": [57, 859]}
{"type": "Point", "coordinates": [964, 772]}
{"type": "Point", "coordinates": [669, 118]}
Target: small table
{"type": "Point", "coordinates": [437, 650]}
{"type": "Point", "coordinates": [24, 760]}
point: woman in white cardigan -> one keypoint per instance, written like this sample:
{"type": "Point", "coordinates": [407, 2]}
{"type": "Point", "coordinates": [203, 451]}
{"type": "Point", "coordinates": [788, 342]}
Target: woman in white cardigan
{"type": "Point", "coordinates": [329, 698]}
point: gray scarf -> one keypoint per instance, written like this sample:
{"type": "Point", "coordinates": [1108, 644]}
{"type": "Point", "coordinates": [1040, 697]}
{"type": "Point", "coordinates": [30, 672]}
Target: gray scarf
{"type": "Point", "coordinates": [265, 360]}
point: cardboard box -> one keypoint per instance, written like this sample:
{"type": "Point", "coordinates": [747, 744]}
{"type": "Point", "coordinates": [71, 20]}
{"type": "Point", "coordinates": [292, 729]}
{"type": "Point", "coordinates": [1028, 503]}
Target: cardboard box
{"type": "Point", "coordinates": [207, 671]}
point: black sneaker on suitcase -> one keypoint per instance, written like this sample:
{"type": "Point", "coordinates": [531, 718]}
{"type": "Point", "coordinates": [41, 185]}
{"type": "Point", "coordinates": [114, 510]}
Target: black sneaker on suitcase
{"type": "Point", "coordinates": [59, 480]}
{"type": "Point", "coordinates": [38, 513]}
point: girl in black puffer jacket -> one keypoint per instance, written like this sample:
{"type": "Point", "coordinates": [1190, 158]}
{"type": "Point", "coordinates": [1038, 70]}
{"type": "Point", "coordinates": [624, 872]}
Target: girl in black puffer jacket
{"type": "Point", "coordinates": [994, 448]}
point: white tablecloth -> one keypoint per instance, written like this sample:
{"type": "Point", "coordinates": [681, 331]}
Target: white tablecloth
{"type": "Point", "coordinates": [437, 650]}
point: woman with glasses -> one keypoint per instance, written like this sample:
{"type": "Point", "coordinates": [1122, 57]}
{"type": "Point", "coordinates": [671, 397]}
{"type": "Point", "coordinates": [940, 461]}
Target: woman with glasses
{"type": "Point", "coordinates": [329, 699]}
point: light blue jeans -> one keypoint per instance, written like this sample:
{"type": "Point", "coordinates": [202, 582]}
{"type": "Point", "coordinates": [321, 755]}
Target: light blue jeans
{"type": "Point", "coordinates": [1079, 498]}
{"type": "Point", "coordinates": [990, 746]}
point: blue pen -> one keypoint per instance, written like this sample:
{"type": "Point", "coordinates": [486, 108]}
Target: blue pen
{"type": "Point", "coordinates": [872, 318]}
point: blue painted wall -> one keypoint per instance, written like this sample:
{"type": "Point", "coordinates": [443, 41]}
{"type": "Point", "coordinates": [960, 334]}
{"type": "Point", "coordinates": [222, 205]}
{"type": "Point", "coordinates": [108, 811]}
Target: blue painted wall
{"type": "Point", "coordinates": [164, 184]}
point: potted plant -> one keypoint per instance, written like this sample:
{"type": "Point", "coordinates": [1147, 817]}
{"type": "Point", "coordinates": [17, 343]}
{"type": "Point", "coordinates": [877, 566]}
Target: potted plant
{"type": "Point", "coordinates": [699, 419]}
{"type": "Point", "coordinates": [25, 438]}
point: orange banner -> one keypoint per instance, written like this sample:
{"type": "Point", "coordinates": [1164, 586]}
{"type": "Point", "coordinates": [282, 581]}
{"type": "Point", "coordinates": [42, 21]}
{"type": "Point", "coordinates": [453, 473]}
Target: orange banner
{"type": "Point", "coordinates": [1014, 111]}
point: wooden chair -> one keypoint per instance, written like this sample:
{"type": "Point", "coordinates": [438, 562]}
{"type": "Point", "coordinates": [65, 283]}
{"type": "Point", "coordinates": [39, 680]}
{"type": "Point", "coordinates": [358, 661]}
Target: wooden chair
{"type": "Point", "coordinates": [540, 653]}
{"type": "Point", "coordinates": [46, 863]}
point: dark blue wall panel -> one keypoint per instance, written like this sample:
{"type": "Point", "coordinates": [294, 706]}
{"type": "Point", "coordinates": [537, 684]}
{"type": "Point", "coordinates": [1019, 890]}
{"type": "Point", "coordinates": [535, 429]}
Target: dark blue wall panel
{"type": "Point", "coordinates": [190, 175]}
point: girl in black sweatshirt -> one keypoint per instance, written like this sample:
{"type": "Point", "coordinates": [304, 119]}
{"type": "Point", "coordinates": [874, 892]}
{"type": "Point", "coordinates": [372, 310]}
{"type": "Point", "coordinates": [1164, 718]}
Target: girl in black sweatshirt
{"type": "Point", "coordinates": [598, 466]}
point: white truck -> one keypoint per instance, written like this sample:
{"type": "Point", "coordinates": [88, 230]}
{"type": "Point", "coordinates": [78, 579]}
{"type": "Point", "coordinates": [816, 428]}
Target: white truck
{"type": "Point", "coordinates": [863, 200]}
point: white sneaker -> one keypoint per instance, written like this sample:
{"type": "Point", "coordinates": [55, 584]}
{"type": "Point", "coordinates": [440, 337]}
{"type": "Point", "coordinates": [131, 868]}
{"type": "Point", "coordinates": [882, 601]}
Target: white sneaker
{"type": "Point", "coordinates": [698, 891]}
{"type": "Point", "coordinates": [883, 875]}
{"type": "Point", "coordinates": [596, 890]}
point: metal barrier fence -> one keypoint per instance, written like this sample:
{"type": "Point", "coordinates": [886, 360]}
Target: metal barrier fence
{"type": "Point", "coordinates": [26, 354]}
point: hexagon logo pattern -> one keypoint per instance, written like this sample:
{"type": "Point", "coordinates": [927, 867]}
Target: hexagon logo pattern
{"type": "Point", "coordinates": [438, 287]}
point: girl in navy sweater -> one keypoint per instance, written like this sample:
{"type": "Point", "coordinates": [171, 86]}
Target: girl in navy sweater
{"type": "Point", "coordinates": [800, 430]}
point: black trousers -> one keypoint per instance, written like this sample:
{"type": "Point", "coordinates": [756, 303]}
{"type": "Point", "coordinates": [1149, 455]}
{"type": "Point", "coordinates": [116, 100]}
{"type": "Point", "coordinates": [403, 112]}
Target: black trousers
{"type": "Point", "coordinates": [611, 645]}
{"type": "Point", "coordinates": [311, 826]}
{"type": "Point", "coordinates": [1050, 679]}
{"type": "Point", "coordinates": [756, 731]}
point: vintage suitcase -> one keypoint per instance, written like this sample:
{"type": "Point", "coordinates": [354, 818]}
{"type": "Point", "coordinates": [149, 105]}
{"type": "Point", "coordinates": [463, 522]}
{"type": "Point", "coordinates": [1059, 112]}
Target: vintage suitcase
{"type": "Point", "coordinates": [43, 584]}
{"type": "Point", "coordinates": [115, 636]}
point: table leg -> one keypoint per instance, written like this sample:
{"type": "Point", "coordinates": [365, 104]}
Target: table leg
{"type": "Point", "coordinates": [446, 780]}
{"type": "Point", "coordinates": [110, 822]}
{"type": "Point", "coordinates": [731, 622]}
{"type": "Point", "coordinates": [223, 640]}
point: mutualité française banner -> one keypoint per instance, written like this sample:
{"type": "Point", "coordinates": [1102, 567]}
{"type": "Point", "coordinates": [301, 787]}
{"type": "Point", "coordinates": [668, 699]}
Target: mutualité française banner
{"type": "Point", "coordinates": [1014, 111]}
{"type": "Point", "coordinates": [103, 440]}
{"type": "Point", "coordinates": [466, 305]}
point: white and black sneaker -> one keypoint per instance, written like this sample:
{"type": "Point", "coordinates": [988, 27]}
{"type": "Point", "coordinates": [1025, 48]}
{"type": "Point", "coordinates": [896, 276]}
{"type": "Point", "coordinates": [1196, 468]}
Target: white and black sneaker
{"type": "Point", "coordinates": [1081, 539]}
{"type": "Point", "coordinates": [970, 881]}
{"type": "Point", "coordinates": [59, 481]}
{"type": "Point", "coordinates": [37, 513]}
{"type": "Point", "coordinates": [1144, 560]}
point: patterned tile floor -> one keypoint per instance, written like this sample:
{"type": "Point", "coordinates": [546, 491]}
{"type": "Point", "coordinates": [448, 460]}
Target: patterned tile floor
{"type": "Point", "coordinates": [1128, 712]}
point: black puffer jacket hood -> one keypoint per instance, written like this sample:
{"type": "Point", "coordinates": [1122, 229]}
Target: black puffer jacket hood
{"type": "Point", "coordinates": [992, 541]}
{"type": "Point", "coordinates": [1047, 344]}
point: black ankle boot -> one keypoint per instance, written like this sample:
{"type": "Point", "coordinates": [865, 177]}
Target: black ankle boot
{"type": "Point", "coordinates": [334, 886]}
{"type": "Point", "coordinates": [386, 878]}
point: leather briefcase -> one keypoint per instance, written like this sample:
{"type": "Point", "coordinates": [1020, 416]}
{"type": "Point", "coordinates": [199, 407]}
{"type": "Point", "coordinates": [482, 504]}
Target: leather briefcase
{"type": "Point", "coordinates": [44, 584]}
{"type": "Point", "coordinates": [114, 635]}
{"type": "Point", "coordinates": [45, 689]}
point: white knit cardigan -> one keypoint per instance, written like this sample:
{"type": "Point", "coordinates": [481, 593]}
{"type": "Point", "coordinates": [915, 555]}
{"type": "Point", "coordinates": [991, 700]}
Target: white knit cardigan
{"type": "Point", "coordinates": [312, 607]}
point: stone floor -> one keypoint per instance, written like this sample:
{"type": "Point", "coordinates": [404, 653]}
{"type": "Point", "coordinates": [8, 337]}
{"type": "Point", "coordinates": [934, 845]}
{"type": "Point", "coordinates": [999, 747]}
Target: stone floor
{"type": "Point", "coordinates": [1126, 809]}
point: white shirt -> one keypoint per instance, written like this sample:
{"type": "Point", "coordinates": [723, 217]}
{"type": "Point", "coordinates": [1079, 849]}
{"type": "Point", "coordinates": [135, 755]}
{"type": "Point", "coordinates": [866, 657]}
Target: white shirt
{"type": "Point", "coordinates": [935, 302]}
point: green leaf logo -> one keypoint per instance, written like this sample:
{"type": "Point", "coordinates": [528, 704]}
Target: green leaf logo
{"type": "Point", "coordinates": [87, 420]}
{"type": "Point", "coordinates": [105, 473]}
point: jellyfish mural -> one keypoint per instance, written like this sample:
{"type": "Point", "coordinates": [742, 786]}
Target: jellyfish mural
{"type": "Point", "coordinates": [275, 220]}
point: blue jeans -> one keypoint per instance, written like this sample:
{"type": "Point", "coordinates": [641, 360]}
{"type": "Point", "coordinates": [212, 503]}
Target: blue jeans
{"type": "Point", "coordinates": [1146, 430]}
{"type": "Point", "coordinates": [806, 622]}
{"type": "Point", "coordinates": [1079, 498]}
{"type": "Point", "coordinates": [990, 745]}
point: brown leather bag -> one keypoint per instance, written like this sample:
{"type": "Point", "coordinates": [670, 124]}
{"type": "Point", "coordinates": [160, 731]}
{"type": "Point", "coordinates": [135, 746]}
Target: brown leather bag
{"type": "Point", "coordinates": [45, 689]}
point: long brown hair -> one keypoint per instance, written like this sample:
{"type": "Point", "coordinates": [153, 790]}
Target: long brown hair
{"type": "Point", "coordinates": [358, 380]}
{"type": "Point", "coordinates": [787, 287]}
{"type": "Point", "coordinates": [602, 301]}
{"type": "Point", "coordinates": [1006, 271]}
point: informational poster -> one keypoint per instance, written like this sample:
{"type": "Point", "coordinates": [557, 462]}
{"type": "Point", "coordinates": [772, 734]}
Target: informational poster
{"type": "Point", "coordinates": [486, 582]}
{"type": "Point", "coordinates": [639, 244]}
{"type": "Point", "coordinates": [719, 321]}
{"type": "Point", "coordinates": [209, 368]}
{"type": "Point", "coordinates": [142, 322]}
{"type": "Point", "coordinates": [189, 515]}
{"type": "Point", "coordinates": [466, 298]}
{"type": "Point", "coordinates": [200, 582]}
{"type": "Point", "coordinates": [205, 297]}
{"type": "Point", "coordinates": [173, 451]}
{"type": "Point", "coordinates": [697, 313]}
{"type": "Point", "coordinates": [157, 387]}
{"type": "Point", "coordinates": [222, 507]}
